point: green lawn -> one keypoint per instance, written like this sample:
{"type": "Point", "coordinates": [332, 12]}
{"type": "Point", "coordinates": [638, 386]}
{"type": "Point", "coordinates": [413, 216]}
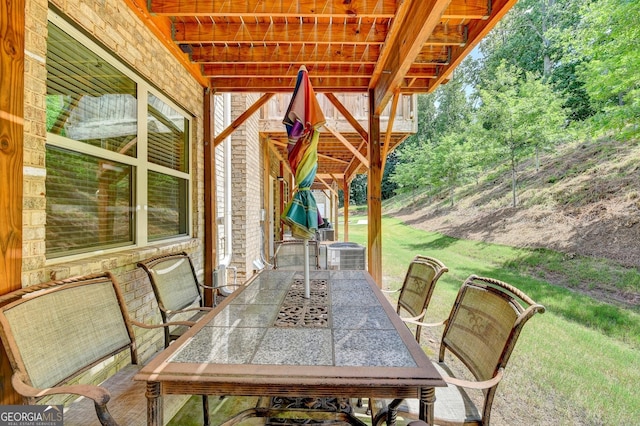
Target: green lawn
{"type": "Point", "coordinates": [579, 363]}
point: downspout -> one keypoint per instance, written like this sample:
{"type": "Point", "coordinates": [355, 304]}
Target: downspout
{"type": "Point", "coordinates": [228, 210]}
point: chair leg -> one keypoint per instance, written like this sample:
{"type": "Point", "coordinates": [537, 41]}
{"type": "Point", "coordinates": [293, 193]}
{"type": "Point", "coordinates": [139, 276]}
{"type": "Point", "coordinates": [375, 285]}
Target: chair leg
{"type": "Point", "coordinates": [205, 409]}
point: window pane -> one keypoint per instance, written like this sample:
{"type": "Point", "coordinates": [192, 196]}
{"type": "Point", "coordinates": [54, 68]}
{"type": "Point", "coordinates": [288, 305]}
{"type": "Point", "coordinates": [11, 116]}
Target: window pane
{"type": "Point", "coordinates": [167, 136]}
{"type": "Point", "coordinates": [167, 212]}
{"type": "Point", "coordinates": [88, 203]}
{"type": "Point", "coordinates": [88, 99]}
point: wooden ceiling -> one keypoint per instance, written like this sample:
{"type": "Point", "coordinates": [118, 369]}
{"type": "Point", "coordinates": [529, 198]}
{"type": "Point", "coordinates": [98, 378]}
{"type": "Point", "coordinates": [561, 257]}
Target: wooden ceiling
{"type": "Point", "coordinates": [409, 46]}
{"type": "Point", "coordinates": [380, 47]}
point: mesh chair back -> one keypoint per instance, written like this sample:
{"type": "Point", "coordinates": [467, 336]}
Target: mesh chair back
{"type": "Point", "coordinates": [174, 281]}
{"type": "Point", "coordinates": [59, 328]}
{"type": "Point", "coordinates": [419, 282]}
{"type": "Point", "coordinates": [485, 323]}
{"type": "Point", "coordinates": [290, 255]}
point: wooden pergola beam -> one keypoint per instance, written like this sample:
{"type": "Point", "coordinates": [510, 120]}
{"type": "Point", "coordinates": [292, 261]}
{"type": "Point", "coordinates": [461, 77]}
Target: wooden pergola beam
{"type": "Point", "coordinates": [405, 44]}
{"type": "Point", "coordinates": [242, 118]}
{"type": "Point", "coordinates": [348, 116]}
{"type": "Point", "coordinates": [303, 33]}
{"type": "Point", "coordinates": [348, 145]}
{"type": "Point", "coordinates": [279, 156]}
{"type": "Point", "coordinates": [286, 9]}
{"type": "Point", "coordinates": [476, 32]}
{"type": "Point", "coordinates": [324, 182]}
{"type": "Point", "coordinates": [387, 136]}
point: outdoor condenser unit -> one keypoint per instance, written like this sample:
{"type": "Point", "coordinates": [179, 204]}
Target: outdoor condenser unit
{"type": "Point", "coordinates": [346, 256]}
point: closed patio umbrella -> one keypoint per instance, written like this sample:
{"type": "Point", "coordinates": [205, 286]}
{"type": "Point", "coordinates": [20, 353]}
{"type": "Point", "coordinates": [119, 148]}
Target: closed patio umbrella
{"type": "Point", "coordinates": [302, 120]}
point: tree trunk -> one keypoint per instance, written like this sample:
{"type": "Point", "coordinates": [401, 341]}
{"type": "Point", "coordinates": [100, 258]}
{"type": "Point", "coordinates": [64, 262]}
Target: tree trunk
{"type": "Point", "coordinates": [513, 187]}
{"type": "Point", "coordinates": [514, 179]}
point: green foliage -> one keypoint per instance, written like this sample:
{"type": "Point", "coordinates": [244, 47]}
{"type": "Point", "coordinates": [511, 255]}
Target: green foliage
{"type": "Point", "coordinates": [358, 190]}
{"type": "Point", "coordinates": [429, 161]}
{"type": "Point", "coordinates": [412, 172]}
{"type": "Point", "coordinates": [450, 160]}
{"type": "Point", "coordinates": [531, 37]}
{"type": "Point", "coordinates": [547, 65]}
{"type": "Point", "coordinates": [607, 40]}
{"type": "Point", "coordinates": [518, 116]}
{"type": "Point", "coordinates": [389, 187]}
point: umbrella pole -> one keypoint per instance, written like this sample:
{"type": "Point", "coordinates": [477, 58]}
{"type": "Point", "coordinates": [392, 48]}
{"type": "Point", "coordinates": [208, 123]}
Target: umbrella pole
{"type": "Point", "coordinates": [307, 289]}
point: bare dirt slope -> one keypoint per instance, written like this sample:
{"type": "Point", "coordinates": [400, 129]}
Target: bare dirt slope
{"type": "Point", "coordinates": [583, 200]}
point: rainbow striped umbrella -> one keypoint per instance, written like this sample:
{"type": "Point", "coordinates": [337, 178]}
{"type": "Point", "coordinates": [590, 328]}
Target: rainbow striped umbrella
{"type": "Point", "coordinates": [302, 120]}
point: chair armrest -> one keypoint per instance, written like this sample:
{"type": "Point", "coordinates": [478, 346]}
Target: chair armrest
{"type": "Point", "coordinates": [424, 324]}
{"type": "Point", "coordinates": [413, 320]}
{"type": "Point", "coordinates": [209, 287]}
{"type": "Point", "coordinates": [391, 291]}
{"type": "Point", "coordinates": [475, 385]}
{"type": "Point", "coordinates": [194, 308]}
{"type": "Point", "coordinates": [96, 393]}
{"type": "Point", "coordinates": [164, 324]}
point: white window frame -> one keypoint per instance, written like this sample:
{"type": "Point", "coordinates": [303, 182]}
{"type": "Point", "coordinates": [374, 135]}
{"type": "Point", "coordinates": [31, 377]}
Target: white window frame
{"type": "Point", "coordinates": [140, 164]}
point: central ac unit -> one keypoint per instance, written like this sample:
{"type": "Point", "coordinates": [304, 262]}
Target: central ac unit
{"type": "Point", "coordinates": [346, 256]}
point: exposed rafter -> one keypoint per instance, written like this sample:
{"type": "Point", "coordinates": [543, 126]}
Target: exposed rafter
{"type": "Point", "coordinates": [389, 48]}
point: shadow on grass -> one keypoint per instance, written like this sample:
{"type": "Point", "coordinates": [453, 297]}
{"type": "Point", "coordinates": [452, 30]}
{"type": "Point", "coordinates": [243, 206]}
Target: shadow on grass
{"type": "Point", "coordinates": [439, 243]}
{"type": "Point", "coordinates": [617, 322]}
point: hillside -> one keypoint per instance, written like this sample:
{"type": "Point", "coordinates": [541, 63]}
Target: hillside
{"type": "Point", "coordinates": [583, 201]}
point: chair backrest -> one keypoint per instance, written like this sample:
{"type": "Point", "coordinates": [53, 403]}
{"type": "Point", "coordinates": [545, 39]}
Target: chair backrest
{"type": "Point", "coordinates": [483, 328]}
{"type": "Point", "coordinates": [420, 280]}
{"type": "Point", "coordinates": [56, 330]}
{"type": "Point", "coordinates": [174, 281]}
{"type": "Point", "coordinates": [290, 255]}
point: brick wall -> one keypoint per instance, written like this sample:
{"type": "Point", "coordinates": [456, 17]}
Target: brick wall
{"type": "Point", "coordinates": [247, 177]}
{"type": "Point", "coordinates": [111, 23]}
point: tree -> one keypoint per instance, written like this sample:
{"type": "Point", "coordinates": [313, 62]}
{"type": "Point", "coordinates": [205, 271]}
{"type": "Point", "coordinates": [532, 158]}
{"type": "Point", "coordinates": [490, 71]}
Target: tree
{"type": "Point", "coordinates": [532, 37]}
{"type": "Point", "coordinates": [450, 160]}
{"type": "Point", "coordinates": [389, 187]}
{"type": "Point", "coordinates": [607, 38]}
{"type": "Point", "coordinates": [358, 190]}
{"type": "Point", "coordinates": [453, 108]}
{"type": "Point", "coordinates": [412, 171]}
{"type": "Point", "coordinates": [518, 116]}
{"type": "Point", "coordinates": [426, 118]}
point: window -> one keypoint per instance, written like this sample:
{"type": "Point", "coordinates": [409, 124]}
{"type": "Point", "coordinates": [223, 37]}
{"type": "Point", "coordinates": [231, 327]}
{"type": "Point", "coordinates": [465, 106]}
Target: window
{"type": "Point", "coordinates": [117, 173]}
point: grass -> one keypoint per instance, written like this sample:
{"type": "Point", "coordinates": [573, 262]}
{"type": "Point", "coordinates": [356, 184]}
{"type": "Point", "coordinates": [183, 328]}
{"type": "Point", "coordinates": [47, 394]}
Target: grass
{"type": "Point", "coordinates": [576, 364]}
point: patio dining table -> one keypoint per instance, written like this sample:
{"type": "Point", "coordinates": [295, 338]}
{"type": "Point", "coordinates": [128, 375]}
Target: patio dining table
{"type": "Point", "coordinates": [267, 339]}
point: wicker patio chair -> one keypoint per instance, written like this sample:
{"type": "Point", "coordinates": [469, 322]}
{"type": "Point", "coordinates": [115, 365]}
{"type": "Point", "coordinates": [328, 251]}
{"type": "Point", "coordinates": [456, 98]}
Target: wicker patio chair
{"type": "Point", "coordinates": [420, 280]}
{"type": "Point", "coordinates": [481, 332]}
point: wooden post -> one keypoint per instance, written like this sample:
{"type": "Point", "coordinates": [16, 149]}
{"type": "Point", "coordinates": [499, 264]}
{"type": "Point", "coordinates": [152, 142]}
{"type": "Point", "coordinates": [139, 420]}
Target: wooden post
{"type": "Point", "coordinates": [334, 204]}
{"type": "Point", "coordinates": [281, 195]}
{"type": "Point", "coordinates": [346, 189]}
{"type": "Point", "coordinates": [374, 193]}
{"type": "Point", "coordinates": [12, 29]}
{"type": "Point", "coordinates": [210, 207]}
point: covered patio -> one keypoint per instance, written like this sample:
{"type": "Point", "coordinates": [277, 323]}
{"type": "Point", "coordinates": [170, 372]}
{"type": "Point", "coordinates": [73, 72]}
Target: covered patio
{"type": "Point", "coordinates": [204, 61]}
